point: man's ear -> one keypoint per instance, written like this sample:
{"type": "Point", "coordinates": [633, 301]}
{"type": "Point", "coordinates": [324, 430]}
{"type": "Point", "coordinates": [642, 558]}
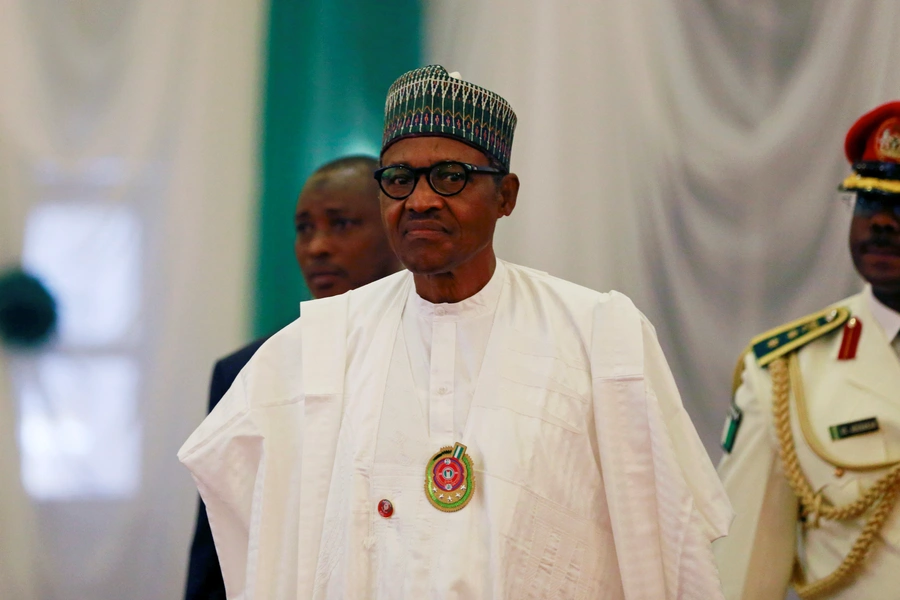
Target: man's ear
{"type": "Point", "coordinates": [508, 192]}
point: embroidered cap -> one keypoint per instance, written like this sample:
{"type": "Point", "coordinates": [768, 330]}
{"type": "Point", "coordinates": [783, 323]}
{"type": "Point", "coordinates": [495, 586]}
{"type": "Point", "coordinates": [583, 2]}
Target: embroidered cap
{"type": "Point", "coordinates": [873, 148]}
{"type": "Point", "coordinates": [430, 101]}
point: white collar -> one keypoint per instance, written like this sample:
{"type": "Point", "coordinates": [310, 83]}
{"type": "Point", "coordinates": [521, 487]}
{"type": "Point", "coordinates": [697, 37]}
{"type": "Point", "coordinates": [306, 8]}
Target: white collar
{"type": "Point", "coordinates": [888, 318]}
{"type": "Point", "coordinates": [484, 301]}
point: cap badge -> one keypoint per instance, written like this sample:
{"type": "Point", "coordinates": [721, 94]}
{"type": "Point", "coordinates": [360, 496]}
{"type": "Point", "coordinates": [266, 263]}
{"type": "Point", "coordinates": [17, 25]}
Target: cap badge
{"type": "Point", "coordinates": [887, 140]}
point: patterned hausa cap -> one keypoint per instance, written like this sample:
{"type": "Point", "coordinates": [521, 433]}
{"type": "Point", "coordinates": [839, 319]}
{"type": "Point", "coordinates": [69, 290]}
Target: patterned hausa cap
{"type": "Point", "coordinates": [873, 148]}
{"type": "Point", "coordinates": [430, 101]}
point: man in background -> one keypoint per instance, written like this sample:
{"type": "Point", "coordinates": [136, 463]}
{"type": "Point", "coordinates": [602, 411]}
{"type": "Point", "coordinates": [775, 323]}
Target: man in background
{"type": "Point", "coordinates": [340, 245]}
{"type": "Point", "coordinates": [813, 439]}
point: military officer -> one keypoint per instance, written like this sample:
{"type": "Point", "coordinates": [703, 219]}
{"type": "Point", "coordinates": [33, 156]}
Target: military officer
{"type": "Point", "coordinates": [812, 441]}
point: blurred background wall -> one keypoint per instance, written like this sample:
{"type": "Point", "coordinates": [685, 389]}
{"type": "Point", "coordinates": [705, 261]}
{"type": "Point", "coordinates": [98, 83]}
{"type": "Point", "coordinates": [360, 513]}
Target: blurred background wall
{"type": "Point", "coordinates": [684, 152]}
{"type": "Point", "coordinates": [128, 136]}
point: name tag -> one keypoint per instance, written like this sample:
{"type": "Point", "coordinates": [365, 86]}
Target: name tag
{"type": "Point", "coordinates": [845, 430]}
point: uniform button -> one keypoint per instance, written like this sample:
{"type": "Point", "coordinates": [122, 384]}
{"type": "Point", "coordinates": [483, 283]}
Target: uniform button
{"type": "Point", "coordinates": [385, 508]}
{"type": "Point", "coordinates": [439, 311]}
{"type": "Point", "coordinates": [443, 390]}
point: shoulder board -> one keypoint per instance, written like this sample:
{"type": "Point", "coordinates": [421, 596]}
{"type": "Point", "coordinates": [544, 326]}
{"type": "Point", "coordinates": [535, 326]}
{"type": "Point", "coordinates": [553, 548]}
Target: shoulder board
{"type": "Point", "coordinates": [796, 334]}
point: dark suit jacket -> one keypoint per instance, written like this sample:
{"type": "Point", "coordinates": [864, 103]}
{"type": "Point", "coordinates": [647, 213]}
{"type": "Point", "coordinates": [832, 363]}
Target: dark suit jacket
{"type": "Point", "coordinates": [204, 580]}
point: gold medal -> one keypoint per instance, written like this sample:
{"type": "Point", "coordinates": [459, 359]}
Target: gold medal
{"type": "Point", "coordinates": [450, 479]}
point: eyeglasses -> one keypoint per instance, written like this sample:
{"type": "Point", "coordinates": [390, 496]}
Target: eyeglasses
{"type": "Point", "coordinates": [868, 205]}
{"type": "Point", "coordinates": [446, 178]}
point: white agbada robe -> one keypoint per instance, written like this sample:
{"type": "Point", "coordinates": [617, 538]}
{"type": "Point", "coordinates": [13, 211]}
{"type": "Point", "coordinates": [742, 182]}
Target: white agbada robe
{"type": "Point", "coordinates": [590, 479]}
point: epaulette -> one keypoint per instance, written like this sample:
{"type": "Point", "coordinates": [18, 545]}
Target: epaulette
{"type": "Point", "coordinates": [796, 334]}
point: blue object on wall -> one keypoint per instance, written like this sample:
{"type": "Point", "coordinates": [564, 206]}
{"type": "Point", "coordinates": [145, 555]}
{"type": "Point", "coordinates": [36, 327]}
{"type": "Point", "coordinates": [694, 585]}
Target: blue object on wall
{"type": "Point", "coordinates": [28, 315]}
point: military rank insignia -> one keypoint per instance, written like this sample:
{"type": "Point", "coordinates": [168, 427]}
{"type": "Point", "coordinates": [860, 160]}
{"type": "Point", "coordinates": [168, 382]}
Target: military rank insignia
{"type": "Point", "coordinates": [450, 479]}
{"type": "Point", "coordinates": [794, 335]}
{"type": "Point", "coordinates": [850, 340]}
{"type": "Point", "coordinates": [732, 423]}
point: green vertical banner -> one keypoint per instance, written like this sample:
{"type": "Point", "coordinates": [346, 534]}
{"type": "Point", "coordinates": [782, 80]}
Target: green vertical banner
{"type": "Point", "coordinates": [329, 65]}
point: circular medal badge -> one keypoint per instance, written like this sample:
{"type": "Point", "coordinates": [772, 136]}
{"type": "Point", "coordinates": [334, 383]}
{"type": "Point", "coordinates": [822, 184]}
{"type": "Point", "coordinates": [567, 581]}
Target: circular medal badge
{"type": "Point", "coordinates": [450, 479]}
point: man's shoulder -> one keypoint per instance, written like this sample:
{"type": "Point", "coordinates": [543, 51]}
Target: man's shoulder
{"type": "Point", "coordinates": [368, 299]}
{"type": "Point", "coordinates": [541, 281]}
{"type": "Point", "coordinates": [237, 359]}
{"type": "Point", "coordinates": [227, 368]}
{"type": "Point", "coordinates": [280, 356]}
{"type": "Point", "coordinates": [275, 363]}
{"type": "Point", "coordinates": [567, 292]}
{"type": "Point", "coordinates": [793, 336]}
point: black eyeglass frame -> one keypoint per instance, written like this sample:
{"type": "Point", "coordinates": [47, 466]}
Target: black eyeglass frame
{"type": "Point", "coordinates": [468, 169]}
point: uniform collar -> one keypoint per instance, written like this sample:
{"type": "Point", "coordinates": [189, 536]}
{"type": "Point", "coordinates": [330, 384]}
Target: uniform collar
{"type": "Point", "coordinates": [887, 318]}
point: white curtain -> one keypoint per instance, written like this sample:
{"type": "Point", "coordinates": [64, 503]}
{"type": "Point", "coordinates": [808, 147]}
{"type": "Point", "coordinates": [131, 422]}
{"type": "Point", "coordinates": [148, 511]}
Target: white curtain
{"type": "Point", "coordinates": [684, 152]}
{"type": "Point", "coordinates": [150, 107]}
{"type": "Point", "coordinates": [18, 564]}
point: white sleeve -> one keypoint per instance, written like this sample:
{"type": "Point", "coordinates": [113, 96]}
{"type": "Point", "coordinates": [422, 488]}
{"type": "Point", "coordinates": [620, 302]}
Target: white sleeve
{"type": "Point", "coordinates": [757, 557]}
{"type": "Point", "coordinates": [666, 502]}
{"type": "Point", "coordinates": [224, 456]}
{"type": "Point", "coordinates": [263, 458]}
{"type": "Point", "coordinates": [245, 462]}
{"type": "Point", "coordinates": [711, 500]}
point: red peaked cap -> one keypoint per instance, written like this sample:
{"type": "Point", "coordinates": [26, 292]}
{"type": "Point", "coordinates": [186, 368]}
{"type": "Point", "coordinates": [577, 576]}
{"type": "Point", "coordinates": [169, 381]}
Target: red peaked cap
{"type": "Point", "coordinates": [875, 136]}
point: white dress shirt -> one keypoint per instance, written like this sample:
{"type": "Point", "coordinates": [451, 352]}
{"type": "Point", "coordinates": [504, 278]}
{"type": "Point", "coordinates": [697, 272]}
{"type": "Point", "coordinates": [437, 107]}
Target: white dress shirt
{"type": "Point", "coordinates": [446, 345]}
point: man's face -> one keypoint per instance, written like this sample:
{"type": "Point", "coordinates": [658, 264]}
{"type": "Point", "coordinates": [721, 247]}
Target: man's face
{"type": "Point", "coordinates": [340, 242]}
{"type": "Point", "coordinates": [433, 234]}
{"type": "Point", "coordinates": [875, 242]}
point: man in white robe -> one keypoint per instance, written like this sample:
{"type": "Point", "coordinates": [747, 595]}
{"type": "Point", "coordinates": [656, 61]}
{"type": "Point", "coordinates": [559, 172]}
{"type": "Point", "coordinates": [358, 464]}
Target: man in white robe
{"type": "Point", "coordinates": [465, 429]}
